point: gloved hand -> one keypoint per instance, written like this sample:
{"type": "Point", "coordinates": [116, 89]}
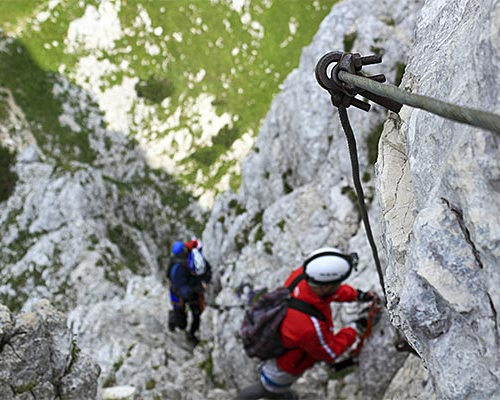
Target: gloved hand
{"type": "Point", "coordinates": [364, 297]}
{"type": "Point", "coordinates": [359, 325]}
{"type": "Point", "coordinates": [201, 287]}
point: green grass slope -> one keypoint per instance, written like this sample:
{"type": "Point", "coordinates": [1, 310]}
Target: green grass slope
{"type": "Point", "coordinates": [203, 73]}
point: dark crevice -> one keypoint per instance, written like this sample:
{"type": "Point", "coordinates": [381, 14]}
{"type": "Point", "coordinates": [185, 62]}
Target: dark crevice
{"type": "Point", "coordinates": [4, 341]}
{"type": "Point", "coordinates": [15, 352]}
{"type": "Point", "coordinates": [57, 390]}
{"type": "Point", "coordinates": [460, 218]}
{"type": "Point", "coordinates": [492, 306]}
{"type": "Point", "coordinates": [494, 311]}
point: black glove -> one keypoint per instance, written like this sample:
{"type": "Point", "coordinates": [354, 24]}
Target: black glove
{"type": "Point", "coordinates": [365, 297]}
{"type": "Point", "coordinates": [361, 324]}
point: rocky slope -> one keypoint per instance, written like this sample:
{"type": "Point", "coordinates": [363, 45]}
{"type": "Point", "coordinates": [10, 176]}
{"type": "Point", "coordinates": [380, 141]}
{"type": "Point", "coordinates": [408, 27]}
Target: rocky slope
{"type": "Point", "coordinates": [433, 206]}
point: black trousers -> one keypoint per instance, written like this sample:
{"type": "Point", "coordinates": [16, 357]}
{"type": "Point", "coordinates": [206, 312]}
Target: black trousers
{"type": "Point", "coordinates": [177, 317]}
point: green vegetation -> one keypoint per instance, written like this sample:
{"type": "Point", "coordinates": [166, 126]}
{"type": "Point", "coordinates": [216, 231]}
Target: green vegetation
{"type": "Point", "coordinates": [366, 177]}
{"type": "Point", "coordinates": [242, 238]}
{"type": "Point", "coordinates": [110, 381]}
{"type": "Point", "coordinates": [206, 156]}
{"type": "Point", "coordinates": [379, 51]}
{"type": "Point", "coordinates": [26, 387]}
{"type": "Point", "coordinates": [236, 58]}
{"type": "Point", "coordinates": [372, 143]}
{"type": "Point", "coordinates": [287, 188]}
{"type": "Point", "coordinates": [400, 71]}
{"type": "Point", "coordinates": [376, 47]}
{"type": "Point", "coordinates": [349, 40]}
{"type": "Point", "coordinates": [12, 12]}
{"type": "Point", "coordinates": [208, 366]}
{"type": "Point", "coordinates": [336, 375]}
{"type": "Point", "coordinates": [121, 236]}
{"type": "Point", "coordinates": [154, 89]}
{"type": "Point", "coordinates": [390, 22]}
{"type": "Point", "coordinates": [75, 351]}
{"type": "Point", "coordinates": [268, 247]}
{"type": "Point", "coordinates": [237, 207]}
{"type": "Point", "coordinates": [31, 87]}
{"type": "Point", "coordinates": [180, 51]}
{"type": "Point", "coordinates": [259, 234]}
{"type": "Point", "coordinates": [118, 364]}
{"type": "Point", "coordinates": [21, 281]}
{"type": "Point", "coordinates": [8, 178]}
{"type": "Point", "coordinates": [4, 111]}
{"type": "Point", "coordinates": [351, 194]}
{"type": "Point", "coordinates": [257, 219]}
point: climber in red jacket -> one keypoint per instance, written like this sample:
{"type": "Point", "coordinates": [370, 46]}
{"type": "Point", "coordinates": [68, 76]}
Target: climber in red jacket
{"type": "Point", "coordinates": [309, 339]}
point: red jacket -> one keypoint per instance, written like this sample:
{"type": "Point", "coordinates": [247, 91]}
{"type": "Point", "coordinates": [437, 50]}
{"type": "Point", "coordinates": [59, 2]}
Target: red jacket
{"type": "Point", "coordinates": [310, 339]}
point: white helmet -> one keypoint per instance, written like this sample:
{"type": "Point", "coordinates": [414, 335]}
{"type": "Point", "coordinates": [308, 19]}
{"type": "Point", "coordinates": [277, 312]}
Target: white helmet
{"type": "Point", "coordinates": [328, 265]}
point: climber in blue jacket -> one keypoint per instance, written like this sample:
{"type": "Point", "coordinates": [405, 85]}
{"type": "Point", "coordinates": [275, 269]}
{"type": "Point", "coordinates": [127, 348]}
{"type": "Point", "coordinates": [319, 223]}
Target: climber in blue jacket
{"type": "Point", "coordinates": [189, 273]}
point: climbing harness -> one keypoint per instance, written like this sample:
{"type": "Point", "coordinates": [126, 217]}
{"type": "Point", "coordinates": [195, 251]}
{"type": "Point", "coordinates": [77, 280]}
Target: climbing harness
{"type": "Point", "coordinates": [345, 81]}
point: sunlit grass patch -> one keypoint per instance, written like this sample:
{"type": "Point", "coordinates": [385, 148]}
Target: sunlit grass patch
{"type": "Point", "coordinates": [181, 51]}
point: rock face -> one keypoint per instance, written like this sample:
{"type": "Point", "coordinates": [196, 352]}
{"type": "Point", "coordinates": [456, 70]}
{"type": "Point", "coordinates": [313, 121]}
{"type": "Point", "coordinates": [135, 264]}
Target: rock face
{"type": "Point", "coordinates": [39, 358]}
{"type": "Point", "coordinates": [440, 203]}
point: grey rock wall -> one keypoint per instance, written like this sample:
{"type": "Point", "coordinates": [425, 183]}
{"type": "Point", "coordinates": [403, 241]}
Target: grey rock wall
{"type": "Point", "coordinates": [40, 359]}
{"type": "Point", "coordinates": [440, 202]}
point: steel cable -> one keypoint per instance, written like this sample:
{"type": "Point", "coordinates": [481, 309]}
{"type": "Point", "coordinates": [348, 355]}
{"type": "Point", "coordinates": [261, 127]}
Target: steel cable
{"type": "Point", "coordinates": [478, 118]}
{"type": "Point", "coordinates": [353, 151]}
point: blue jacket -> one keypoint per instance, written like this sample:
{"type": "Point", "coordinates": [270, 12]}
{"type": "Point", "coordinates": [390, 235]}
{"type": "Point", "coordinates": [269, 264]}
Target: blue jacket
{"type": "Point", "coordinates": [184, 283]}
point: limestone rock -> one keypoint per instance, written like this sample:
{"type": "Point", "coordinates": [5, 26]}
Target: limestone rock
{"type": "Point", "coordinates": [119, 393]}
{"type": "Point", "coordinates": [411, 382]}
{"type": "Point", "coordinates": [438, 183]}
{"type": "Point", "coordinates": [40, 357]}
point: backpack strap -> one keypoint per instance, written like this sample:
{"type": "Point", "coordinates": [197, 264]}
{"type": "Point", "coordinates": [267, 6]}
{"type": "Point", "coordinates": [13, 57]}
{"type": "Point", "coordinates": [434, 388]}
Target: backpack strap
{"type": "Point", "coordinates": [176, 262]}
{"type": "Point", "coordinates": [295, 282]}
{"type": "Point", "coordinates": [300, 305]}
{"type": "Point", "coordinates": [306, 308]}
{"type": "Point", "coordinates": [173, 270]}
